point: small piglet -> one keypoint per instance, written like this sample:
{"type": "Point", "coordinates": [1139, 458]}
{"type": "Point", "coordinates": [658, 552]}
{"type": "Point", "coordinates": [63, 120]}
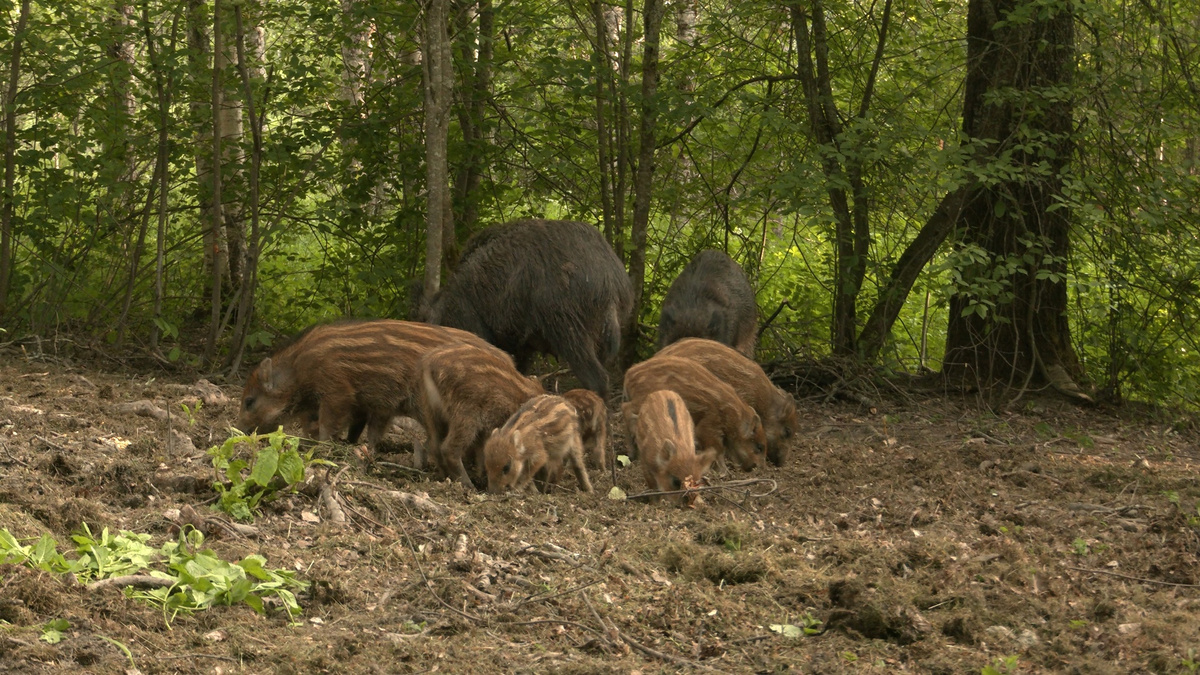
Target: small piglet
{"type": "Point", "coordinates": [593, 424]}
{"type": "Point", "coordinates": [467, 392]}
{"type": "Point", "coordinates": [542, 436]}
{"type": "Point", "coordinates": [723, 422]}
{"type": "Point", "coordinates": [774, 406]}
{"type": "Point", "coordinates": [352, 374]}
{"type": "Point", "coordinates": [665, 437]}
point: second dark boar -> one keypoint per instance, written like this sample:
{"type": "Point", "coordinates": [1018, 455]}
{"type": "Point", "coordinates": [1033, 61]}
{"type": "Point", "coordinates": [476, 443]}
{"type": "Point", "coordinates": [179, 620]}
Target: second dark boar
{"type": "Point", "coordinates": [551, 286]}
{"type": "Point", "coordinates": [711, 298]}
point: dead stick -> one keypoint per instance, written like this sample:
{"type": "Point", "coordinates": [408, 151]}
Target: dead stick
{"type": "Point", "coordinates": [329, 500]}
{"type": "Point", "coordinates": [136, 580]}
{"type": "Point", "coordinates": [1126, 576]}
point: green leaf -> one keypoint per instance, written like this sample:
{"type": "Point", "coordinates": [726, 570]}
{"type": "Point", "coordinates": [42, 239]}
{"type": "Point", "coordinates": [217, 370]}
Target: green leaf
{"type": "Point", "coordinates": [616, 493]}
{"type": "Point", "coordinates": [291, 467]}
{"type": "Point", "coordinates": [265, 465]}
{"type": "Point", "coordinates": [787, 630]}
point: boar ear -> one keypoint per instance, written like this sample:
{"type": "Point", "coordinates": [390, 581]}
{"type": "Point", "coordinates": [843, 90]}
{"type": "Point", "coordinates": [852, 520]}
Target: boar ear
{"type": "Point", "coordinates": [668, 451]}
{"type": "Point", "coordinates": [516, 438]}
{"type": "Point", "coordinates": [749, 425]}
{"type": "Point", "coordinates": [266, 375]}
{"type": "Point", "coordinates": [704, 460]}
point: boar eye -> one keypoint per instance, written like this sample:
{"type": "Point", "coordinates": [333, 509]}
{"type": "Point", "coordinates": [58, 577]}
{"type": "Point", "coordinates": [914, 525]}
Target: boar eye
{"type": "Point", "coordinates": [676, 483]}
{"type": "Point", "coordinates": [248, 402]}
{"type": "Point", "coordinates": [508, 466]}
{"type": "Point", "coordinates": [759, 448]}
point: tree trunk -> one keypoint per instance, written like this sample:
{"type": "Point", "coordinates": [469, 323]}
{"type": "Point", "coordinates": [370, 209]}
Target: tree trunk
{"type": "Point", "coordinates": [623, 150]}
{"type": "Point", "coordinates": [841, 163]}
{"type": "Point", "coordinates": [250, 278]}
{"type": "Point", "coordinates": [233, 159]}
{"type": "Point", "coordinates": [216, 251]}
{"type": "Point", "coordinates": [218, 273]}
{"type": "Point", "coordinates": [438, 70]}
{"type": "Point", "coordinates": [10, 148]}
{"type": "Point", "coordinates": [162, 86]}
{"type": "Point", "coordinates": [642, 188]}
{"type": "Point", "coordinates": [476, 48]}
{"type": "Point", "coordinates": [1008, 319]}
{"type": "Point", "coordinates": [602, 64]}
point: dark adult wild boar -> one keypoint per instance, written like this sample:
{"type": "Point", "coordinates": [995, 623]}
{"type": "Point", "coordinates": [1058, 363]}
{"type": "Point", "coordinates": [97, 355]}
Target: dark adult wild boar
{"type": "Point", "coordinates": [665, 438]}
{"type": "Point", "coordinates": [466, 392]}
{"type": "Point", "coordinates": [542, 436]}
{"type": "Point", "coordinates": [593, 424]}
{"type": "Point", "coordinates": [723, 422]}
{"type": "Point", "coordinates": [347, 374]}
{"type": "Point", "coordinates": [710, 298]}
{"type": "Point", "coordinates": [552, 286]}
{"type": "Point", "coordinates": [775, 407]}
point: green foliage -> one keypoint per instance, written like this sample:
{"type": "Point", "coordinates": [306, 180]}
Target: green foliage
{"type": "Point", "coordinates": [1005, 665]}
{"type": "Point", "coordinates": [200, 579]}
{"type": "Point", "coordinates": [808, 625]}
{"type": "Point", "coordinates": [243, 484]}
{"type": "Point", "coordinates": [52, 632]}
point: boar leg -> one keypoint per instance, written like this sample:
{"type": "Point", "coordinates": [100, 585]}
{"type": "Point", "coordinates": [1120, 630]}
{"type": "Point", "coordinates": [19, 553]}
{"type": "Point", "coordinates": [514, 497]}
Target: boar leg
{"type": "Point", "coordinates": [451, 453]}
{"type": "Point", "coordinates": [580, 353]}
{"type": "Point", "coordinates": [575, 457]}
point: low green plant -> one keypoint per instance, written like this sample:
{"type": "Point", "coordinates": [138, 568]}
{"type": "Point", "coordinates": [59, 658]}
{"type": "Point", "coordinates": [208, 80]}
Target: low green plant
{"type": "Point", "coordinates": [277, 467]}
{"type": "Point", "coordinates": [52, 632]}
{"type": "Point", "coordinates": [1006, 665]}
{"type": "Point", "coordinates": [1079, 547]}
{"type": "Point", "coordinates": [190, 413]}
{"type": "Point", "coordinates": [201, 579]}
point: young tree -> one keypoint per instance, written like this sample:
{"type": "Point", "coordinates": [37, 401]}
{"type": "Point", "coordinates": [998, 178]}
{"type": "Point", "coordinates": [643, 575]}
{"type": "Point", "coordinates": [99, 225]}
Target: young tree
{"type": "Point", "coordinates": [10, 148]}
{"type": "Point", "coordinates": [438, 71]}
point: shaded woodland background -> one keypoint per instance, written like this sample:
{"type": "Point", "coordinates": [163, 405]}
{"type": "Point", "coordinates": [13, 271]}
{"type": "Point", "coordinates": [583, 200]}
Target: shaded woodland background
{"type": "Point", "coordinates": [1002, 190]}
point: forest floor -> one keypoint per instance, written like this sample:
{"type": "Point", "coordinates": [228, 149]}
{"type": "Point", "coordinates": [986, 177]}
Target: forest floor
{"type": "Point", "coordinates": [925, 535]}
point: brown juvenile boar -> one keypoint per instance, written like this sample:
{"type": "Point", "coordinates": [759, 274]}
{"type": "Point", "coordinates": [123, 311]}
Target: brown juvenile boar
{"type": "Point", "coordinates": [593, 424]}
{"type": "Point", "coordinates": [665, 438]}
{"type": "Point", "coordinates": [711, 298]}
{"type": "Point", "coordinates": [352, 374]}
{"type": "Point", "coordinates": [723, 422]}
{"type": "Point", "coordinates": [542, 436]}
{"type": "Point", "coordinates": [466, 392]}
{"type": "Point", "coordinates": [775, 407]}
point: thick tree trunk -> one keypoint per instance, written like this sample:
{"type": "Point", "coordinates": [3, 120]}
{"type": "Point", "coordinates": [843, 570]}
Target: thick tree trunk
{"type": "Point", "coordinates": [162, 85]}
{"type": "Point", "coordinates": [233, 158]}
{"type": "Point", "coordinates": [1017, 332]}
{"type": "Point", "coordinates": [643, 184]}
{"type": "Point", "coordinates": [438, 67]}
{"type": "Point", "coordinates": [10, 148]}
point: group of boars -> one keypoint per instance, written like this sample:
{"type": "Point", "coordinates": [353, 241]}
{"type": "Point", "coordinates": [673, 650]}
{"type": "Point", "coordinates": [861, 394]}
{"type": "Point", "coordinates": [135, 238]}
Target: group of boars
{"type": "Point", "coordinates": [540, 286]}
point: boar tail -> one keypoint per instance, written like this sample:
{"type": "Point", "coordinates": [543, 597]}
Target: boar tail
{"type": "Point", "coordinates": [432, 397]}
{"type": "Point", "coordinates": [611, 337]}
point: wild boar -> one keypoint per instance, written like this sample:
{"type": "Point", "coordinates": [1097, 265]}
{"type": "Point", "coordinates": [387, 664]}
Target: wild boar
{"type": "Point", "coordinates": [775, 407]}
{"type": "Point", "coordinates": [593, 424]}
{"type": "Point", "coordinates": [711, 298]}
{"type": "Point", "coordinates": [723, 422]}
{"type": "Point", "coordinates": [542, 436]}
{"type": "Point", "coordinates": [352, 374]}
{"type": "Point", "coordinates": [466, 392]}
{"type": "Point", "coordinates": [550, 286]}
{"type": "Point", "coordinates": [665, 437]}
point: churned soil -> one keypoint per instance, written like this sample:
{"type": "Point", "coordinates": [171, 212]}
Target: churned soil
{"type": "Point", "coordinates": [922, 532]}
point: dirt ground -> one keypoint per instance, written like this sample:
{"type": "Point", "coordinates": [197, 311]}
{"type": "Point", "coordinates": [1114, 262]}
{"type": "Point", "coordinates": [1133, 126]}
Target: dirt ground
{"type": "Point", "coordinates": [925, 535]}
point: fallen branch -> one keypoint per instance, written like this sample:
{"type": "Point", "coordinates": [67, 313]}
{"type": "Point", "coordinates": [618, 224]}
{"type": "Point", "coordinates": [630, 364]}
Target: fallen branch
{"type": "Point", "coordinates": [418, 500]}
{"type": "Point", "coordinates": [330, 500]}
{"type": "Point", "coordinates": [1126, 576]}
{"type": "Point", "coordinates": [731, 485]}
{"type": "Point", "coordinates": [135, 580]}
